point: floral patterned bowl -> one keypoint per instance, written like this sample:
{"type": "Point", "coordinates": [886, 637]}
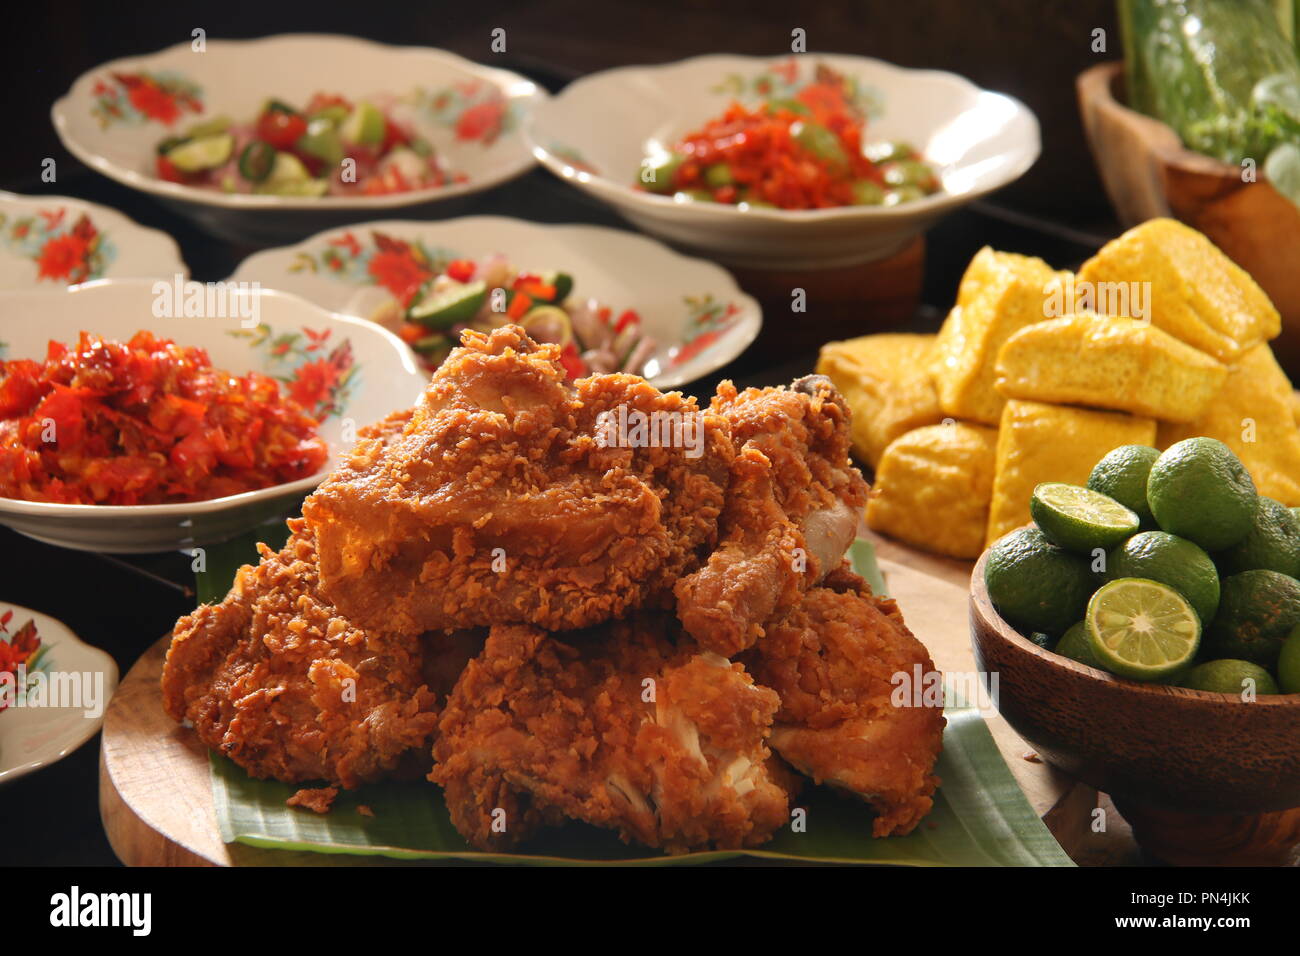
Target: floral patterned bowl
{"type": "Point", "coordinates": [52, 242]}
{"type": "Point", "coordinates": [113, 117]}
{"type": "Point", "coordinates": [693, 309]}
{"type": "Point", "coordinates": [59, 703]}
{"type": "Point", "coordinates": [349, 373]}
{"type": "Point", "coordinates": [597, 131]}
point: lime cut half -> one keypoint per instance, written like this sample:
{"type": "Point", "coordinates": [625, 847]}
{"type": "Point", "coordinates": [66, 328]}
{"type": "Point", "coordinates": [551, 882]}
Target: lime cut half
{"type": "Point", "coordinates": [1079, 519]}
{"type": "Point", "coordinates": [1142, 629]}
{"type": "Point", "coordinates": [208, 152]}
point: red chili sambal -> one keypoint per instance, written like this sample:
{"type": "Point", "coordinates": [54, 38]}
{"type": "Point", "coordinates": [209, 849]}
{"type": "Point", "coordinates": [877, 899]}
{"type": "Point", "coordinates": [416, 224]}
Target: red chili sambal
{"type": "Point", "coordinates": [145, 422]}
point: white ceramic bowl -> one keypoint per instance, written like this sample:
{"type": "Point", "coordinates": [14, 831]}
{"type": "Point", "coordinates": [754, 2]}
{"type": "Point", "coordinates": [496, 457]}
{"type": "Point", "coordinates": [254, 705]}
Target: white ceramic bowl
{"type": "Point", "coordinates": [33, 736]}
{"type": "Point", "coordinates": [680, 300]}
{"type": "Point", "coordinates": [52, 242]}
{"type": "Point", "coordinates": [598, 130]}
{"type": "Point", "coordinates": [100, 123]}
{"type": "Point", "coordinates": [384, 379]}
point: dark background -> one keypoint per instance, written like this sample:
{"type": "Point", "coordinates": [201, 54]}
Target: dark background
{"type": "Point", "coordinates": [1031, 49]}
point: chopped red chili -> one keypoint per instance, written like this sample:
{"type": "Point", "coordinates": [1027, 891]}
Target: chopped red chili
{"type": "Point", "coordinates": [145, 422]}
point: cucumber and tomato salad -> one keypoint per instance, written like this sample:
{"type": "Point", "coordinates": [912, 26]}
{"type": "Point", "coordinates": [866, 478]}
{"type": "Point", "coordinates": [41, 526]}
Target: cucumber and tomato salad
{"type": "Point", "coordinates": [292, 152]}
{"type": "Point", "coordinates": [489, 294]}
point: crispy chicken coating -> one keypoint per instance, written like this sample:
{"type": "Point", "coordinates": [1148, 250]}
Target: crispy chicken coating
{"type": "Point", "coordinates": [508, 499]}
{"type": "Point", "coordinates": [833, 660]}
{"type": "Point", "coordinates": [792, 510]}
{"type": "Point", "coordinates": [619, 727]}
{"type": "Point", "coordinates": [276, 679]}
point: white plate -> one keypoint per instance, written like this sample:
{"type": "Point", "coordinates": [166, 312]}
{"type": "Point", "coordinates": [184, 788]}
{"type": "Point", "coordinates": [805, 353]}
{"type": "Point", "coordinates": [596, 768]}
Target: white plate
{"type": "Point", "coordinates": [598, 130]}
{"type": "Point", "coordinates": [101, 125]}
{"type": "Point", "coordinates": [32, 737]}
{"type": "Point", "coordinates": [383, 379]}
{"type": "Point", "coordinates": [678, 298]}
{"type": "Point", "coordinates": [52, 242]}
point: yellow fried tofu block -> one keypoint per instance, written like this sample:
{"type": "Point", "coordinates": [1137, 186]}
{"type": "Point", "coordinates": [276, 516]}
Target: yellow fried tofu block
{"type": "Point", "coordinates": [886, 381]}
{"type": "Point", "coordinates": [933, 487]}
{"type": "Point", "coordinates": [1109, 362]}
{"type": "Point", "coordinates": [1254, 415]}
{"type": "Point", "coordinates": [1039, 442]}
{"type": "Point", "coordinates": [1000, 294]}
{"type": "Point", "coordinates": [1197, 294]}
{"type": "Point", "coordinates": [1295, 407]}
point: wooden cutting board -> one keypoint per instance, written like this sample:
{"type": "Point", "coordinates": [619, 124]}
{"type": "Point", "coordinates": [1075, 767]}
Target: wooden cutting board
{"type": "Point", "coordinates": [156, 799]}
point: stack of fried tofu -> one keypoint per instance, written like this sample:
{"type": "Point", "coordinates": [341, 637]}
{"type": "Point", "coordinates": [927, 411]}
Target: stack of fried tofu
{"type": "Point", "coordinates": [1038, 374]}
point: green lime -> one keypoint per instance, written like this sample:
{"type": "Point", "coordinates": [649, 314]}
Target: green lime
{"type": "Point", "coordinates": [443, 308]}
{"type": "Point", "coordinates": [1142, 629]}
{"type": "Point", "coordinates": [1257, 612]}
{"type": "Point", "coordinates": [1122, 475]}
{"type": "Point", "coordinates": [1198, 489]}
{"type": "Point", "coordinates": [1035, 585]}
{"type": "Point", "coordinates": [1288, 664]}
{"type": "Point", "coordinates": [1075, 645]}
{"type": "Point", "coordinates": [196, 155]}
{"type": "Point", "coordinates": [1229, 676]}
{"type": "Point", "coordinates": [1171, 560]}
{"type": "Point", "coordinates": [364, 126]}
{"type": "Point", "coordinates": [1080, 520]}
{"type": "Point", "coordinates": [1273, 543]}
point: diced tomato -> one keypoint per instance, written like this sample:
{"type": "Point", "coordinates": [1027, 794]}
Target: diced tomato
{"type": "Point", "coordinates": [412, 332]}
{"type": "Point", "coordinates": [462, 270]}
{"type": "Point", "coordinates": [626, 319]}
{"type": "Point", "coordinates": [574, 366]}
{"type": "Point", "coordinates": [280, 129]}
{"type": "Point", "coordinates": [519, 305]}
{"type": "Point", "coordinates": [167, 170]}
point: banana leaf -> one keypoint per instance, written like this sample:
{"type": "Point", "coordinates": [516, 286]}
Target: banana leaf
{"type": "Point", "coordinates": [980, 816]}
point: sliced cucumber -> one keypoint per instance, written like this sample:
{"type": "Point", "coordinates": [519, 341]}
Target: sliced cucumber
{"type": "Point", "coordinates": [443, 309]}
{"type": "Point", "coordinates": [196, 155]}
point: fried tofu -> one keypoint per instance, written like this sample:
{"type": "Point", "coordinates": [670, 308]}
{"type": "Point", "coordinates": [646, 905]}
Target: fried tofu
{"type": "Point", "coordinates": [1039, 442]}
{"type": "Point", "coordinates": [1255, 416]}
{"type": "Point", "coordinates": [1197, 294]}
{"type": "Point", "coordinates": [933, 488]}
{"type": "Point", "coordinates": [1000, 294]}
{"type": "Point", "coordinates": [1109, 362]}
{"type": "Point", "coordinates": [885, 380]}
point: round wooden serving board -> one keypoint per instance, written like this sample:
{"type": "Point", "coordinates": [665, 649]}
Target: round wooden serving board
{"type": "Point", "coordinates": [156, 799]}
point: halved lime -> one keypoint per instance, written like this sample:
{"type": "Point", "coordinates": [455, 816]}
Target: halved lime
{"type": "Point", "coordinates": [447, 306]}
{"type": "Point", "coordinates": [208, 152]}
{"type": "Point", "coordinates": [1079, 519]}
{"type": "Point", "coordinates": [1141, 629]}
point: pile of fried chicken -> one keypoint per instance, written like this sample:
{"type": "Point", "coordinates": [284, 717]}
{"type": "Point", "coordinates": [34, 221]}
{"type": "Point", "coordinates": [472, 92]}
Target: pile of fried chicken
{"type": "Point", "coordinates": [551, 623]}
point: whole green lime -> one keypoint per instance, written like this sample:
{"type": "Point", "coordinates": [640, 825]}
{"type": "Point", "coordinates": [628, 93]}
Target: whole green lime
{"type": "Point", "coordinates": [1288, 664]}
{"type": "Point", "coordinates": [1229, 676]}
{"type": "Point", "coordinates": [1075, 645]}
{"type": "Point", "coordinates": [1169, 559]}
{"type": "Point", "coordinates": [1273, 543]}
{"type": "Point", "coordinates": [1199, 490]}
{"type": "Point", "coordinates": [1123, 474]}
{"type": "Point", "coordinates": [1035, 585]}
{"type": "Point", "coordinates": [1257, 612]}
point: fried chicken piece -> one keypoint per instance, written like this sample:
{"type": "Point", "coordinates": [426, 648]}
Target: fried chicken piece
{"type": "Point", "coordinates": [276, 679]}
{"type": "Point", "coordinates": [792, 510]}
{"type": "Point", "coordinates": [504, 501]}
{"type": "Point", "coordinates": [832, 659]}
{"type": "Point", "coordinates": [619, 727]}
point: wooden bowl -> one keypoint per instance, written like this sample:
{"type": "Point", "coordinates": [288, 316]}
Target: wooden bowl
{"type": "Point", "coordinates": [1147, 173]}
{"type": "Point", "coordinates": [1201, 777]}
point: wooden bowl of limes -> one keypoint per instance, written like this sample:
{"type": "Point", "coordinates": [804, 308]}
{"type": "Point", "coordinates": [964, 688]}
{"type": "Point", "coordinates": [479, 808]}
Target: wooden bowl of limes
{"type": "Point", "coordinates": [1202, 777]}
